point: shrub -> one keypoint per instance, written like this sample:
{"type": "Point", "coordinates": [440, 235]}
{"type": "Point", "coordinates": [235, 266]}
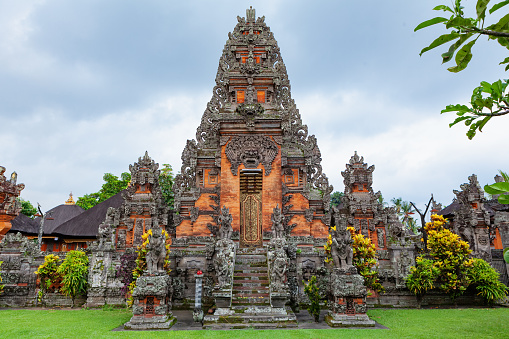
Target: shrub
{"type": "Point", "coordinates": [74, 272]}
{"type": "Point", "coordinates": [486, 281]}
{"type": "Point", "coordinates": [125, 270]}
{"type": "Point", "coordinates": [448, 267]}
{"type": "Point", "coordinates": [313, 293]}
{"type": "Point", "coordinates": [49, 278]}
{"type": "Point", "coordinates": [364, 259]}
{"type": "Point", "coordinates": [422, 276]}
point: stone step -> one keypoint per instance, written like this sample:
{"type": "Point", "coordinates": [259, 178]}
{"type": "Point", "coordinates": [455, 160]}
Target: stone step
{"type": "Point", "coordinates": [261, 302]}
{"type": "Point", "coordinates": [253, 275]}
{"type": "Point", "coordinates": [253, 268]}
{"type": "Point", "coordinates": [245, 282]}
{"type": "Point", "coordinates": [251, 295]}
{"type": "Point", "coordinates": [260, 250]}
{"type": "Point", "coordinates": [249, 286]}
{"type": "Point", "coordinates": [251, 257]}
{"type": "Point", "coordinates": [243, 289]}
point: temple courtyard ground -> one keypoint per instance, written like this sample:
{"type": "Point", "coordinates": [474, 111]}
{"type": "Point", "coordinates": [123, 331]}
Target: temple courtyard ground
{"type": "Point", "coordinates": [391, 323]}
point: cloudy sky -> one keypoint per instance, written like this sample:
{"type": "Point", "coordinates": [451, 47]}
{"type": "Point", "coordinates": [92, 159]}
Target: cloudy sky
{"type": "Point", "coordinates": [87, 86]}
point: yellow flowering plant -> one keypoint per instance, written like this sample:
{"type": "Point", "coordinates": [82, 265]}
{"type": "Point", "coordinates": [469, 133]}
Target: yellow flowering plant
{"type": "Point", "coordinates": [449, 268]}
{"type": "Point", "coordinates": [141, 261]}
{"type": "Point", "coordinates": [364, 258]}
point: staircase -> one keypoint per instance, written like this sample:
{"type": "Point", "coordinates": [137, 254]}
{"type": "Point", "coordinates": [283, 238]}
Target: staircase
{"type": "Point", "coordinates": [250, 279]}
{"type": "Point", "coordinates": [251, 306]}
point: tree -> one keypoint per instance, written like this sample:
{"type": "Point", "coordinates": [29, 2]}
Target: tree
{"type": "Point", "coordinates": [27, 208]}
{"type": "Point", "coordinates": [74, 272]}
{"type": "Point", "coordinates": [336, 198]}
{"type": "Point", "coordinates": [112, 186]}
{"type": "Point", "coordinates": [404, 210]}
{"type": "Point", "coordinates": [500, 188]}
{"type": "Point", "coordinates": [490, 99]}
{"type": "Point", "coordinates": [166, 179]}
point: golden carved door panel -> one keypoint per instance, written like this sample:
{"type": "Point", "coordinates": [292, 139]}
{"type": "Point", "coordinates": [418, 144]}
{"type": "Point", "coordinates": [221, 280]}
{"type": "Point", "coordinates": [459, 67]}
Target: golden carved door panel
{"type": "Point", "coordinates": [251, 209]}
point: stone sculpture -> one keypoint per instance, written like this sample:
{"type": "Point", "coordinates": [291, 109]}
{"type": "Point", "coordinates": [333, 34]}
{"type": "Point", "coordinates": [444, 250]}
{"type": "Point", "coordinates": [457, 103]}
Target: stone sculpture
{"type": "Point", "coordinates": [341, 251]}
{"type": "Point", "coordinates": [156, 252]}
{"type": "Point", "coordinates": [277, 219]}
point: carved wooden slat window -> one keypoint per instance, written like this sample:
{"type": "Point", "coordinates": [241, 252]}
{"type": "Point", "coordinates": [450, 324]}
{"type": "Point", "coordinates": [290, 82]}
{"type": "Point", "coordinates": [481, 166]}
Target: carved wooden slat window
{"type": "Point", "coordinates": [251, 183]}
{"type": "Point", "coordinates": [240, 97]}
{"type": "Point", "coordinates": [261, 96]}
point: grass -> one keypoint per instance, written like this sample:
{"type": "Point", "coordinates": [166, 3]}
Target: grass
{"type": "Point", "coordinates": [425, 323]}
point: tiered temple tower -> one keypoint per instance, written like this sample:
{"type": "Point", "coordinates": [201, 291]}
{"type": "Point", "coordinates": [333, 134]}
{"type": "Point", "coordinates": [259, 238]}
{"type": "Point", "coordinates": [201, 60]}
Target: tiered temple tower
{"type": "Point", "coordinates": [252, 152]}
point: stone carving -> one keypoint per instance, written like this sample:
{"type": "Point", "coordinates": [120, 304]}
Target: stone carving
{"type": "Point", "coordinates": [223, 263]}
{"type": "Point", "coordinates": [194, 214]}
{"type": "Point", "coordinates": [277, 223]}
{"type": "Point", "coordinates": [380, 232]}
{"type": "Point", "coordinates": [251, 150]}
{"type": "Point", "coordinates": [341, 251]}
{"type": "Point", "coordinates": [472, 220]}
{"type": "Point", "coordinates": [156, 252]}
{"type": "Point", "coordinates": [9, 206]}
{"type": "Point", "coordinates": [249, 111]}
{"type": "Point", "coordinates": [225, 222]}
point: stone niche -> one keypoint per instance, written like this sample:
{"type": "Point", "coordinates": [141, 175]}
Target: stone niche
{"type": "Point", "coordinates": [152, 304]}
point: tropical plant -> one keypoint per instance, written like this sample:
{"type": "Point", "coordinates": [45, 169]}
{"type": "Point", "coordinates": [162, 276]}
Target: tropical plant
{"type": "Point", "coordinates": [125, 270]}
{"type": "Point", "coordinates": [485, 279]}
{"type": "Point", "coordinates": [500, 188]}
{"type": "Point", "coordinates": [313, 292]}
{"type": "Point", "coordinates": [404, 210]}
{"type": "Point", "coordinates": [364, 259]}
{"type": "Point", "coordinates": [49, 277]}
{"type": "Point", "coordinates": [490, 99]}
{"type": "Point", "coordinates": [141, 262]}
{"type": "Point", "coordinates": [74, 272]}
{"type": "Point", "coordinates": [112, 186]}
{"type": "Point", "coordinates": [448, 267]}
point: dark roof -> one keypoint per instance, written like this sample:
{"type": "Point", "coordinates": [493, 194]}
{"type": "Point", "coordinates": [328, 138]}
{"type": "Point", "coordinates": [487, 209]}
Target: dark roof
{"type": "Point", "coordinates": [58, 216]}
{"type": "Point", "coordinates": [491, 207]}
{"type": "Point", "coordinates": [87, 223]}
{"type": "Point", "coordinates": [449, 210]}
{"type": "Point", "coordinates": [24, 224]}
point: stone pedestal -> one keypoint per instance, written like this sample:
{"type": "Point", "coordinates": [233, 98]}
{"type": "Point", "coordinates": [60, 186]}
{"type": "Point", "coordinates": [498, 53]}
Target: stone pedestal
{"type": "Point", "coordinates": [152, 304]}
{"type": "Point", "coordinates": [348, 306]}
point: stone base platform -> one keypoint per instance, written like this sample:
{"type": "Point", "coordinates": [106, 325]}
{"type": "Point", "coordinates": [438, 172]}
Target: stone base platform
{"type": "Point", "coordinates": [252, 317]}
{"type": "Point", "coordinates": [154, 323]}
{"type": "Point", "coordinates": [344, 320]}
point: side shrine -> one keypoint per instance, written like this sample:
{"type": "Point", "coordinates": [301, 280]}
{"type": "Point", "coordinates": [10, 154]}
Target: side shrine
{"type": "Point", "coordinates": [252, 218]}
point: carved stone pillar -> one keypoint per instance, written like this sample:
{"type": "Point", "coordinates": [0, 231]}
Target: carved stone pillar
{"type": "Point", "coordinates": [9, 206]}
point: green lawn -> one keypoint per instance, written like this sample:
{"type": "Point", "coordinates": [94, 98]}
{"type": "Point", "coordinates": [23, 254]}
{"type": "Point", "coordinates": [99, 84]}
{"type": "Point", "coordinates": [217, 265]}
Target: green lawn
{"type": "Point", "coordinates": [434, 323]}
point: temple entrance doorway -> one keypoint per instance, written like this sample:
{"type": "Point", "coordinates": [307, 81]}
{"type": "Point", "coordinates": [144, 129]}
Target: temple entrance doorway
{"type": "Point", "coordinates": [251, 182]}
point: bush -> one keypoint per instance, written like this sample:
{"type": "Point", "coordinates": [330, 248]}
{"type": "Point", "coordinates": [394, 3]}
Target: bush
{"type": "Point", "coordinates": [49, 278]}
{"type": "Point", "coordinates": [486, 281]}
{"type": "Point", "coordinates": [74, 272]}
{"type": "Point", "coordinates": [125, 270]}
{"type": "Point", "coordinates": [422, 276]}
{"type": "Point", "coordinates": [313, 293]}
{"type": "Point", "coordinates": [448, 267]}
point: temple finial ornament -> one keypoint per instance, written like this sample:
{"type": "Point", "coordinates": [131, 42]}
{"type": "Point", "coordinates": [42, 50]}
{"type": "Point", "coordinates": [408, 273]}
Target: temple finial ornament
{"type": "Point", "coordinates": [250, 14]}
{"type": "Point", "coordinates": [70, 201]}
